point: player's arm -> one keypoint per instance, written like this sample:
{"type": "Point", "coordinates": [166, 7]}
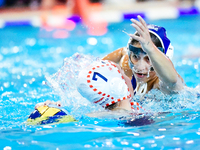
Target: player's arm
{"type": "Point", "coordinates": [161, 63]}
{"type": "Point", "coordinates": [48, 102]}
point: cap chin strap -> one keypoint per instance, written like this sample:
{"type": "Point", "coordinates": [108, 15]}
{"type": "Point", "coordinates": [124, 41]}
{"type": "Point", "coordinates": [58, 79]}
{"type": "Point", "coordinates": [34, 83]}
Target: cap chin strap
{"type": "Point", "coordinates": [141, 89]}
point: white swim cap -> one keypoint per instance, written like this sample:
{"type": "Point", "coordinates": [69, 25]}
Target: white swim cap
{"type": "Point", "coordinates": [102, 83]}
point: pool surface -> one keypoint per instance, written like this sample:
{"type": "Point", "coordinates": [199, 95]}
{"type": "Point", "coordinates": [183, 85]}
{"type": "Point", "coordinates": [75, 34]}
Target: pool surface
{"type": "Point", "coordinates": [33, 61]}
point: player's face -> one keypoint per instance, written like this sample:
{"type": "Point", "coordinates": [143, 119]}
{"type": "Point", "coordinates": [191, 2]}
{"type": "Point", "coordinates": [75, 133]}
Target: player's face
{"type": "Point", "coordinates": [142, 69]}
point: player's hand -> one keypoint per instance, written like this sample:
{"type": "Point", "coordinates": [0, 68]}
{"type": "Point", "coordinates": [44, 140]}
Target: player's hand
{"type": "Point", "coordinates": [143, 31]}
{"type": "Point", "coordinates": [48, 102]}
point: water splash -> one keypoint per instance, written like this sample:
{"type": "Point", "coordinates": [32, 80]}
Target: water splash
{"type": "Point", "coordinates": [148, 73]}
{"type": "Point", "coordinates": [63, 82]}
{"type": "Point", "coordinates": [126, 33]}
{"type": "Point", "coordinates": [156, 101]}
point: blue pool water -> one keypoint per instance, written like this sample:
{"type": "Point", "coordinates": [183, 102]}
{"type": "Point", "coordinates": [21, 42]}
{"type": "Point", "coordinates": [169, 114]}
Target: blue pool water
{"type": "Point", "coordinates": [32, 63]}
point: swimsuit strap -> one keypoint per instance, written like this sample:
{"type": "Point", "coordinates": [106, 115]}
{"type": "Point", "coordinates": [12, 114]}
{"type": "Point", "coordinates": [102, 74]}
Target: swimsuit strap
{"type": "Point", "coordinates": [134, 83]}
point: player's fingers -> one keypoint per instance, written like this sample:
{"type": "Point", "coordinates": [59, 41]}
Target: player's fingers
{"type": "Point", "coordinates": [48, 102]}
{"type": "Point", "coordinates": [142, 21]}
{"type": "Point", "coordinates": [139, 24]}
{"type": "Point", "coordinates": [138, 29]}
{"type": "Point", "coordinates": [138, 38]}
{"type": "Point", "coordinates": [38, 105]}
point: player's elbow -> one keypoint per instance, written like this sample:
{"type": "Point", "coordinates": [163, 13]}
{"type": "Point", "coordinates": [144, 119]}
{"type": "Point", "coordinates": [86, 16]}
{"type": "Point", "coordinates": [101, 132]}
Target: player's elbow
{"type": "Point", "coordinates": [176, 84]}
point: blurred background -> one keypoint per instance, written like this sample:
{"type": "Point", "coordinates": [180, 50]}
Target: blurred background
{"type": "Point", "coordinates": [53, 13]}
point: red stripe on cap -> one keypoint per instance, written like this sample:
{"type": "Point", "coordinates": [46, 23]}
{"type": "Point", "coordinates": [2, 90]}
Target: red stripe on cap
{"type": "Point", "coordinates": [122, 77]}
{"type": "Point", "coordinates": [98, 66]}
{"type": "Point", "coordinates": [137, 108]}
{"type": "Point", "coordinates": [114, 65]}
{"type": "Point", "coordinates": [112, 97]}
{"type": "Point", "coordinates": [118, 71]}
{"type": "Point", "coordinates": [137, 104]}
{"type": "Point", "coordinates": [99, 100]}
{"type": "Point", "coordinates": [103, 94]}
{"type": "Point", "coordinates": [88, 81]}
{"type": "Point", "coordinates": [108, 95]}
{"type": "Point", "coordinates": [118, 99]}
{"type": "Point", "coordinates": [90, 72]}
{"type": "Point", "coordinates": [91, 86]}
{"type": "Point", "coordinates": [99, 92]}
{"type": "Point", "coordinates": [107, 104]}
{"type": "Point", "coordinates": [102, 65]}
{"type": "Point", "coordinates": [95, 89]}
{"type": "Point", "coordinates": [93, 68]}
{"type": "Point", "coordinates": [124, 98]}
{"type": "Point", "coordinates": [132, 103]}
{"type": "Point", "coordinates": [88, 76]}
{"type": "Point", "coordinates": [113, 102]}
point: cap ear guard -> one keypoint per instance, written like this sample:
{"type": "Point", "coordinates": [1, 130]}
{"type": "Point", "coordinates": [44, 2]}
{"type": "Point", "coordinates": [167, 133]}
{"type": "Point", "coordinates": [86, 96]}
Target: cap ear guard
{"type": "Point", "coordinates": [118, 87]}
{"type": "Point", "coordinates": [170, 52]}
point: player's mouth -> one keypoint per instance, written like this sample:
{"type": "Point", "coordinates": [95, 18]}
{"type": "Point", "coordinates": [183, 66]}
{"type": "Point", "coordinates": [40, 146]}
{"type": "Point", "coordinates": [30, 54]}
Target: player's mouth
{"type": "Point", "coordinates": [140, 75]}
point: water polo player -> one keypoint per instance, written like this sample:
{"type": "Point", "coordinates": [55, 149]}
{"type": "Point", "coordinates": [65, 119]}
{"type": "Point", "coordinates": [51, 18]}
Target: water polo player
{"type": "Point", "coordinates": [104, 83]}
{"type": "Point", "coordinates": [146, 60]}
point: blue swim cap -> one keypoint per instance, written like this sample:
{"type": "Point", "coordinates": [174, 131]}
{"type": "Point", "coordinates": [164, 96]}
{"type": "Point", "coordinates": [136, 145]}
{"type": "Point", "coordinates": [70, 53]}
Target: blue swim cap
{"type": "Point", "coordinates": [160, 33]}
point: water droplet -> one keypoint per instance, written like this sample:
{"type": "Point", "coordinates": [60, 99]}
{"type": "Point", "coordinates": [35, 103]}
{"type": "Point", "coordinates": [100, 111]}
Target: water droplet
{"type": "Point", "coordinates": [176, 138]}
{"type": "Point", "coordinates": [80, 49]}
{"type": "Point", "coordinates": [6, 84]}
{"type": "Point", "coordinates": [58, 50]}
{"type": "Point", "coordinates": [1, 57]}
{"type": "Point", "coordinates": [190, 142]}
{"type": "Point", "coordinates": [124, 143]}
{"type": "Point", "coordinates": [1, 88]}
{"type": "Point", "coordinates": [92, 41]}
{"type": "Point", "coordinates": [148, 73]}
{"type": "Point", "coordinates": [30, 41]}
{"type": "Point", "coordinates": [136, 145]}
{"type": "Point", "coordinates": [18, 77]}
{"type": "Point", "coordinates": [162, 129]}
{"type": "Point", "coordinates": [159, 137]}
{"type": "Point", "coordinates": [126, 32]}
{"type": "Point", "coordinates": [15, 49]}
{"type": "Point", "coordinates": [23, 73]}
{"type": "Point", "coordinates": [7, 148]}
